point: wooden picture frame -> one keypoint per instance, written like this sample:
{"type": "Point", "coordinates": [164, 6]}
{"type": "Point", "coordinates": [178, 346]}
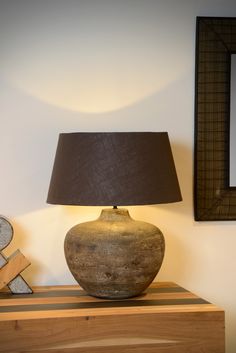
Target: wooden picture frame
{"type": "Point", "coordinates": [214, 199]}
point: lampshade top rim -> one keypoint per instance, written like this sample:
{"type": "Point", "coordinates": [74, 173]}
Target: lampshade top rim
{"type": "Point", "coordinates": [113, 133]}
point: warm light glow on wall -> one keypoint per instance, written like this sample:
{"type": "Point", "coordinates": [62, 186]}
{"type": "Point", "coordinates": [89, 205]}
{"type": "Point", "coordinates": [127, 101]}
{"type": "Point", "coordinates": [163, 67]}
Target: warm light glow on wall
{"type": "Point", "coordinates": [100, 64]}
{"type": "Point", "coordinates": [91, 88]}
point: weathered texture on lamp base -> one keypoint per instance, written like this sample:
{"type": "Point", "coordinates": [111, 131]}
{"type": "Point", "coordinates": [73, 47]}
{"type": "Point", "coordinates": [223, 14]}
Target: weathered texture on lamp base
{"type": "Point", "coordinates": [114, 256]}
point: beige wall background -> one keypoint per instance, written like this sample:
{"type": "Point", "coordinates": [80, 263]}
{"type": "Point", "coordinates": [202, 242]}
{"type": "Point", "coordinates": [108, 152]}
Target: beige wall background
{"type": "Point", "coordinates": [103, 65]}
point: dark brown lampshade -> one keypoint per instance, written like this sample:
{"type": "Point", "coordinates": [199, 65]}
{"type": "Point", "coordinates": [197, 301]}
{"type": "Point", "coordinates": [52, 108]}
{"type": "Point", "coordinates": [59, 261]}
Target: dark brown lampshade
{"type": "Point", "coordinates": [113, 169]}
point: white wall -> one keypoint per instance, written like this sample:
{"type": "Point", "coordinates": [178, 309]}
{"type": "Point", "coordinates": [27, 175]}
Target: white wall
{"type": "Point", "coordinates": [103, 65]}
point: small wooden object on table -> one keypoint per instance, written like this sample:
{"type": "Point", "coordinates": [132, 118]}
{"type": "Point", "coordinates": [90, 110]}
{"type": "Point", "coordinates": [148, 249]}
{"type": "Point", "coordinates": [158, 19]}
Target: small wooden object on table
{"type": "Point", "coordinates": [63, 319]}
{"type": "Point", "coordinates": [12, 266]}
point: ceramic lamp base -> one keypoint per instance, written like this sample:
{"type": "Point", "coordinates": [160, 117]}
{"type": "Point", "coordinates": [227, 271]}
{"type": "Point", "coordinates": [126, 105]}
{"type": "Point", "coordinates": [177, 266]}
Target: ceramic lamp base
{"type": "Point", "coordinates": [114, 256]}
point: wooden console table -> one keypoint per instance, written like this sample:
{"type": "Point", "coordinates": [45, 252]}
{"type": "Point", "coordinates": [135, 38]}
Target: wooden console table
{"type": "Point", "coordinates": [63, 319]}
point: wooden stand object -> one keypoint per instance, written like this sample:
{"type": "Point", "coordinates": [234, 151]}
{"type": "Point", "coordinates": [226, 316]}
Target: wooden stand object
{"type": "Point", "coordinates": [64, 319]}
{"type": "Point", "coordinates": [12, 266]}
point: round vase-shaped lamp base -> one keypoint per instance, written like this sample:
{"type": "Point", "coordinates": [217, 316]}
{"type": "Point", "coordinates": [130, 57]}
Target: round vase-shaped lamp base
{"type": "Point", "coordinates": [115, 256]}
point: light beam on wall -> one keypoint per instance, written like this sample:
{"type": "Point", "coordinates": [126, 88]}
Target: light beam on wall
{"type": "Point", "coordinates": [88, 57]}
{"type": "Point", "coordinates": [93, 86]}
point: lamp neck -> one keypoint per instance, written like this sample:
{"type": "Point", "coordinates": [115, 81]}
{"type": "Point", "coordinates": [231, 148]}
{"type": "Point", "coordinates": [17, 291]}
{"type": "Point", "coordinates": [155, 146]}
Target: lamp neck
{"type": "Point", "coordinates": [114, 214]}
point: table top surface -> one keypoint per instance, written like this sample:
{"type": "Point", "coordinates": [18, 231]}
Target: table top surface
{"type": "Point", "coordinates": [72, 301]}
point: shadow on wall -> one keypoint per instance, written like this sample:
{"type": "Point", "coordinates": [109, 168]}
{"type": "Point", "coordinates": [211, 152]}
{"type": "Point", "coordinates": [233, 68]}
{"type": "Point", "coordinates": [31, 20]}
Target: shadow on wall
{"type": "Point", "coordinates": [184, 166]}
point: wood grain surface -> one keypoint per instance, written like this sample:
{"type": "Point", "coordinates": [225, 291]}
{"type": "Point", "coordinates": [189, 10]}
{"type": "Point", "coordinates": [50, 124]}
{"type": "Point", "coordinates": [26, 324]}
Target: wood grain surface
{"type": "Point", "coordinates": [16, 263]}
{"type": "Point", "coordinates": [63, 319]}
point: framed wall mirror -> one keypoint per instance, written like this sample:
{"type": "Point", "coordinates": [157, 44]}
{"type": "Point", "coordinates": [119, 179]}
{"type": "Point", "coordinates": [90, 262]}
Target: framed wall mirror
{"type": "Point", "coordinates": [215, 120]}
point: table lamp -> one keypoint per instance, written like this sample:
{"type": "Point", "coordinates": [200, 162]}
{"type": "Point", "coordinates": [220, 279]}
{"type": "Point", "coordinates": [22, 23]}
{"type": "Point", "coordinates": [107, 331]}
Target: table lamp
{"type": "Point", "coordinates": [114, 256]}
